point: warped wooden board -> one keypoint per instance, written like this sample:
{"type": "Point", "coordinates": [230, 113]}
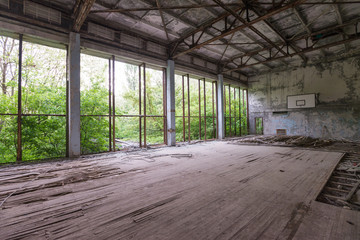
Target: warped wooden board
{"type": "Point", "coordinates": [212, 190]}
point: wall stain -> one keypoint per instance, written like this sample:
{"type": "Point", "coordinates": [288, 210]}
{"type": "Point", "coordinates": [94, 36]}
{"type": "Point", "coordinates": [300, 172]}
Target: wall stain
{"type": "Point", "coordinates": [337, 114]}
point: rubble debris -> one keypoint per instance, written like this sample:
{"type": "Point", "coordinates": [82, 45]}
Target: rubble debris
{"type": "Point", "coordinates": [298, 141]}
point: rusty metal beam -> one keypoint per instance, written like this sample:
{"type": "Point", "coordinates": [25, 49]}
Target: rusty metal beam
{"type": "Point", "coordinates": [230, 112]}
{"type": "Point", "coordinates": [113, 95]}
{"type": "Point", "coordinates": [164, 106]}
{"type": "Point", "coordinates": [306, 50]}
{"type": "Point", "coordinates": [144, 80]}
{"type": "Point", "coordinates": [183, 106]}
{"type": "Point", "coordinates": [235, 111]}
{"type": "Point", "coordinates": [110, 99]}
{"type": "Point", "coordinates": [234, 14]}
{"type": "Point", "coordinates": [213, 110]}
{"type": "Point", "coordinates": [201, 28]}
{"type": "Point", "coordinates": [225, 108]}
{"type": "Point", "coordinates": [19, 107]}
{"type": "Point", "coordinates": [304, 24]}
{"type": "Point", "coordinates": [315, 3]}
{"type": "Point", "coordinates": [340, 21]}
{"type": "Point", "coordinates": [247, 112]}
{"type": "Point", "coordinates": [240, 114]}
{"type": "Point", "coordinates": [82, 11]}
{"type": "Point", "coordinates": [305, 36]}
{"type": "Point", "coordinates": [246, 25]}
{"type": "Point", "coordinates": [76, 7]}
{"type": "Point", "coordinates": [204, 109]}
{"type": "Point", "coordinates": [199, 109]}
{"type": "Point", "coordinates": [188, 97]}
{"type": "Point", "coordinates": [278, 33]}
{"type": "Point", "coordinates": [158, 8]}
{"type": "Point", "coordinates": [162, 20]}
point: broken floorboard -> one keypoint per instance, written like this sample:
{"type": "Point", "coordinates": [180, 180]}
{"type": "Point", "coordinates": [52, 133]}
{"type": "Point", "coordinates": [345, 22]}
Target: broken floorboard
{"type": "Point", "coordinates": [211, 190]}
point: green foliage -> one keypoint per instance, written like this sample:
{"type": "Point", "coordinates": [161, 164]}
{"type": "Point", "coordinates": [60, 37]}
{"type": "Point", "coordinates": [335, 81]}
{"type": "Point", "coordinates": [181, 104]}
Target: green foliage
{"type": "Point", "coordinates": [44, 94]}
{"type": "Point", "coordinates": [94, 100]}
{"type": "Point", "coordinates": [43, 137]}
{"type": "Point", "coordinates": [259, 125]}
{"type": "Point", "coordinates": [8, 138]}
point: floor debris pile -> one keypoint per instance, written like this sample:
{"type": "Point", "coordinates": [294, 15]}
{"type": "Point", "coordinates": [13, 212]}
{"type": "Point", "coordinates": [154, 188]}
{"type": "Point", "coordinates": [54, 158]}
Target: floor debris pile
{"type": "Point", "coordinates": [296, 141]}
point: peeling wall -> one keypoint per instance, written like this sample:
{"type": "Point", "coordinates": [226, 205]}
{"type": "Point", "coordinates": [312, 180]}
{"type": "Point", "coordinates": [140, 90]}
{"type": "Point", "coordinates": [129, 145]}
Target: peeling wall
{"type": "Point", "coordinates": [337, 113]}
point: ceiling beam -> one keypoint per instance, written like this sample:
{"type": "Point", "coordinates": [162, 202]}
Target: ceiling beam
{"type": "Point", "coordinates": [305, 50]}
{"type": "Point", "coordinates": [252, 28]}
{"type": "Point", "coordinates": [262, 44]}
{"type": "Point", "coordinates": [162, 20]}
{"type": "Point", "coordinates": [305, 25]}
{"type": "Point", "coordinates": [202, 28]}
{"type": "Point", "coordinates": [278, 33]}
{"type": "Point", "coordinates": [340, 21]}
{"type": "Point", "coordinates": [192, 25]}
{"type": "Point", "coordinates": [157, 8]}
{"type": "Point", "coordinates": [269, 14]}
{"type": "Point", "coordinates": [298, 38]}
{"type": "Point", "coordinates": [82, 9]}
{"type": "Point", "coordinates": [137, 18]}
{"type": "Point", "coordinates": [313, 3]}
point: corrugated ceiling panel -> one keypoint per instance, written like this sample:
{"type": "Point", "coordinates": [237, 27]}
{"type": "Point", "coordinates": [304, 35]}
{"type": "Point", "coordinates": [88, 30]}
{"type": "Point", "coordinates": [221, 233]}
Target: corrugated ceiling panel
{"type": "Point", "coordinates": [41, 12]}
{"type": "Point", "coordinates": [101, 31]}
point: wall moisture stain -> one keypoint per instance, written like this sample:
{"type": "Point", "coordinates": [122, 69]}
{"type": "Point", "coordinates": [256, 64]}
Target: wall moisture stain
{"type": "Point", "coordinates": [337, 114]}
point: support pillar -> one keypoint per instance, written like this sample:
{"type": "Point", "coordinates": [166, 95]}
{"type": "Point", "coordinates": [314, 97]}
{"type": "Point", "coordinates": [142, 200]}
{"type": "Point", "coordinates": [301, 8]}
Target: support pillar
{"type": "Point", "coordinates": [220, 107]}
{"type": "Point", "coordinates": [73, 111]}
{"type": "Point", "coordinates": [170, 88]}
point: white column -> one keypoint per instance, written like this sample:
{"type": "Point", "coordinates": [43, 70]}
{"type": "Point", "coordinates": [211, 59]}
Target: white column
{"type": "Point", "coordinates": [73, 64]}
{"type": "Point", "coordinates": [220, 107]}
{"type": "Point", "coordinates": [170, 87]}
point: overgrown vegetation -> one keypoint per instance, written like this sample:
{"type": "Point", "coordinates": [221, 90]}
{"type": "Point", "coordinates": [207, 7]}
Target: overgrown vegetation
{"type": "Point", "coordinates": [44, 104]}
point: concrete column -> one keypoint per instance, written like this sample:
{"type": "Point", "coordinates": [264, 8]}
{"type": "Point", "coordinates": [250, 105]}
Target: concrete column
{"type": "Point", "coordinates": [220, 107]}
{"type": "Point", "coordinates": [73, 64]}
{"type": "Point", "coordinates": [170, 88]}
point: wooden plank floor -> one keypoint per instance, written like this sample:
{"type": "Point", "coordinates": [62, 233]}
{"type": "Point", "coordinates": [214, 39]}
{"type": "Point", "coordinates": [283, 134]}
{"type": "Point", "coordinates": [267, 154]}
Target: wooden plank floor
{"type": "Point", "coordinates": [211, 190]}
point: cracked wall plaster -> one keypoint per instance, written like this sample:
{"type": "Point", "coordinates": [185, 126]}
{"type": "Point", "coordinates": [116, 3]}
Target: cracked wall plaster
{"type": "Point", "coordinates": [337, 114]}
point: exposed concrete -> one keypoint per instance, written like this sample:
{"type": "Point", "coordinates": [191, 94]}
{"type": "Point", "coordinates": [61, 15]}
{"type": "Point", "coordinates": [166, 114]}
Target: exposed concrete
{"type": "Point", "coordinates": [220, 107]}
{"type": "Point", "coordinates": [73, 64]}
{"type": "Point", "coordinates": [170, 87]}
{"type": "Point", "coordinates": [337, 114]}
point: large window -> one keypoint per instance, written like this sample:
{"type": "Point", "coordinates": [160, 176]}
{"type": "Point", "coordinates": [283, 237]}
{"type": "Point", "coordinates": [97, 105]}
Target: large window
{"type": "Point", "coordinates": [33, 113]}
{"type": "Point", "coordinates": [235, 111]}
{"type": "Point", "coordinates": [195, 102]}
{"type": "Point", "coordinates": [139, 106]}
{"type": "Point", "coordinates": [43, 102]}
{"type": "Point", "coordinates": [122, 105]}
{"type": "Point", "coordinates": [9, 50]}
{"type": "Point", "coordinates": [94, 104]}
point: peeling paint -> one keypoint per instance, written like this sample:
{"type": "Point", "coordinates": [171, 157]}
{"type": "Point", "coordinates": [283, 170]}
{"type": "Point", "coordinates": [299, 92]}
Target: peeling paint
{"type": "Point", "coordinates": [337, 114]}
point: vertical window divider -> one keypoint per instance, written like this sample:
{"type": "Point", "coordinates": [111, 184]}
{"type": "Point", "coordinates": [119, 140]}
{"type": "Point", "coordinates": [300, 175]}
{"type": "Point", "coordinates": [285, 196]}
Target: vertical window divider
{"type": "Point", "coordinates": [110, 108]}
{"type": "Point", "coordinates": [204, 110]}
{"type": "Point", "coordinates": [199, 109]}
{"type": "Point", "coordinates": [188, 90]}
{"type": "Point", "coordinates": [230, 112]}
{"type": "Point", "coordinates": [183, 106]}
{"type": "Point", "coordinates": [140, 130]}
{"type": "Point", "coordinates": [113, 105]}
{"type": "Point", "coordinates": [19, 115]}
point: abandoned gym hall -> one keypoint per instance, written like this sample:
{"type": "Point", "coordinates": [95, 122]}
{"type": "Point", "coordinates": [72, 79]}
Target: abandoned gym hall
{"type": "Point", "coordinates": [180, 119]}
